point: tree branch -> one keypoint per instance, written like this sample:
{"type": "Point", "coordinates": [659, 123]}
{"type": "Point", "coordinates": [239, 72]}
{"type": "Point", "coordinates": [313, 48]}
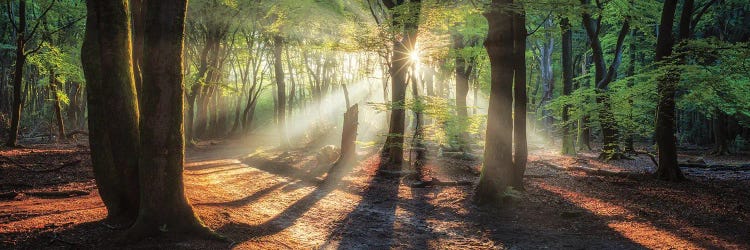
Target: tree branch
{"type": "Point", "coordinates": [39, 21]}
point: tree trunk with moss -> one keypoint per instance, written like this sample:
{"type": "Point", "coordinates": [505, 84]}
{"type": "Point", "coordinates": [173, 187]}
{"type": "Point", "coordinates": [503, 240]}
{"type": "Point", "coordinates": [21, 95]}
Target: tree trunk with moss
{"type": "Point", "coordinates": [57, 105]}
{"type": "Point", "coordinates": [668, 169]}
{"type": "Point", "coordinates": [568, 145]}
{"type": "Point", "coordinates": [498, 170]}
{"type": "Point", "coordinates": [113, 109]}
{"type": "Point", "coordinates": [164, 208]}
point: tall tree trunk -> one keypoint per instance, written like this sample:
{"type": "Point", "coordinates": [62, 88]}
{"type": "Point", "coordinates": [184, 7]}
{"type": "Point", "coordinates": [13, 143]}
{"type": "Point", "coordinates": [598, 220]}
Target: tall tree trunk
{"type": "Point", "coordinates": [164, 207]}
{"type": "Point", "coordinates": [629, 140]}
{"type": "Point", "coordinates": [113, 108]}
{"type": "Point", "coordinates": [394, 143]}
{"type": "Point", "coordinates": [463, 70]}
{"type": "Point", "coordinates": [548, 78]}
{"type": "Point", "coordinates": [520, 99]}
{"type": "Point", "coordinates": [568, 144]}
{"type": "Point", "coordinates": [137, 10]}
{"type": "Point", "coordinates": [278, 45]}
{"type": "Point", "coordinates": [584, 125]}
{"type": "Point", "coordinates": [667, 84]}
{"type": "Point", "coordinates": [498, 170]}
{"type": "Point", "coordinates": [15, 121]}
{"type": "Point", "coordinates": [292, 91]}
{"type": "Point", "coordinates": [604, 76]}
{"type": "Point", "coordinates": [57, 105]}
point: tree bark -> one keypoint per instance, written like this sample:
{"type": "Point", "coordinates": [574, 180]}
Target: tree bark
{"type": "Point", "coordinates": [520, 98]}
{"type": "Point", "coordinates": [604, 76]}
{"type": "Point", "coordinates": [568, 144]}
{"type": "Point", "coordinates": [164, 207]}
{"type": "Point", "coordinates": [548, 78]}
{"type": "Point", "coordinates": [668, 169]}
{"type": "Point", "coordinates": [113, 108]}
{"type": "Point", "coordinates": [278, 45]}
{"type": "Point", "coordinates": [393, 148]}
{"type": "Point", "coordinates": [498, 170]}
{"type": "Point", "coordinates": [58, 107]}
{"type": "Point", "coordinates": [17, 106]}
{"type": "Point", "coordinates": [463, 70]}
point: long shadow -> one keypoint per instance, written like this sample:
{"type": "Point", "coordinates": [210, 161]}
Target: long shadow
{"type": "Point", "coordinates": [241, 232]}
{"type": "Point", "coordinates": [209, 166]}
{"type": "Point", "coordinates": [373, 218]}
{"type": "Point", "coordinates": [656, 207]}
{"type": "Point", "coordinates": [217, 171]}
{"type": "Point", "coordinates": [536, 226]}
{"type": "Point", "coordinates": [246, 200]}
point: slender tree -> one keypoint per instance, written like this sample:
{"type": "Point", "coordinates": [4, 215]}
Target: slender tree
{"type": "Point", "coordinates": [568, 145]}
{"type": "Point", "coordinates": [407, 22]}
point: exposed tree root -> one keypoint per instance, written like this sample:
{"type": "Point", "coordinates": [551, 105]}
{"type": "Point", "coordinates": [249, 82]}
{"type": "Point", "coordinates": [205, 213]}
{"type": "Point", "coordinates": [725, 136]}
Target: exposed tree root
{"type": "Point", "coordinates": [650, 155]}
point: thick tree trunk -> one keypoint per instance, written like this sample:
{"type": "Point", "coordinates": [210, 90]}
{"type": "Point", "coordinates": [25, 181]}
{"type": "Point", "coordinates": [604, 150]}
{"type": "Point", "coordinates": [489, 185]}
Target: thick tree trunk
{"type": "Point", "coordinates": [163, 207]}
{"type": "Point", "coordinates": [568, 144]}
{"type": "Point", "coordinates": [137, 10]}
{"type": "Point", "coordinates": [498, 170]}
{"type": "Point", "coordinates": [668, 169]}
{"type": "Point", "coordinates": [17, 105]}
{"type": "Point", "coordinates": [520, 99]}
{"type": "Point", "coordinates": [113, 108]}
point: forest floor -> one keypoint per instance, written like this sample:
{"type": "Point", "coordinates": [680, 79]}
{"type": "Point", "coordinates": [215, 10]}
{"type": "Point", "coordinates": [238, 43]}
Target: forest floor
{"type": "Point", "coordinates": [262, 197]}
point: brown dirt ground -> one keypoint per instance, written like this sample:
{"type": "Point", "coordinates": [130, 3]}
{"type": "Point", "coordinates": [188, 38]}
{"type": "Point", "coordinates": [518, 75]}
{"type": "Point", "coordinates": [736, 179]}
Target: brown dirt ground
{"type": "Point", "coordinates": [261, 197]}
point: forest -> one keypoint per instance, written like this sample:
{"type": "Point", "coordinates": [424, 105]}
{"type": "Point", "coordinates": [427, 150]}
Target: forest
{"type": "Point", "coordinates": [375, 124]}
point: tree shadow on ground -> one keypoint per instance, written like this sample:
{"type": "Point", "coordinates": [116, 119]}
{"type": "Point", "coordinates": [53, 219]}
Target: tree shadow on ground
{"type": "Point", "coordinates": [697, 211]}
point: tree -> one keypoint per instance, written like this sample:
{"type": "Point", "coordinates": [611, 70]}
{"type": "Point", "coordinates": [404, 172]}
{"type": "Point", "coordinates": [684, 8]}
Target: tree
{"type": "Point", "coordinates": [278, 45]}
{"type": "Point", "coordinates": [603, 77]}
{"type": "Point", "coordinates": [520, 98]}
{"type": "Point", "coordinates": [113, 108]}
{"type": "Point", "coordinates": [22, 37]}
{"type": "Point", "coordinates": [668, 169]}
{"type": "Point", "coordinates": [498, 171]}
{"type": "Point", "coordinates": [405, 19]}
{"type": "Point", "coordinates": [163, 207]}
{"type": "Point", "coordinates": [568, 144]}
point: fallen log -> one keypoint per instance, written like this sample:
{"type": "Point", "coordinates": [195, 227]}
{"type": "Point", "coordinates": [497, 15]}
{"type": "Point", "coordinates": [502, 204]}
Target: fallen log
{"type": "Point", "coordinates": [588, 170]}
{"type": "Point", "coordinates": [58, 194]}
